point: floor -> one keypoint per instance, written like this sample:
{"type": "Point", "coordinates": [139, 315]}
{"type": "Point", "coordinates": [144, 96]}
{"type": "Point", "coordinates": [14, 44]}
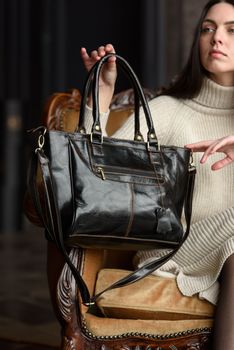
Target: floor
{"type": "Point", "coordinates": [8, 345]}
{"type": "Point", "coordinates": [26, 315]}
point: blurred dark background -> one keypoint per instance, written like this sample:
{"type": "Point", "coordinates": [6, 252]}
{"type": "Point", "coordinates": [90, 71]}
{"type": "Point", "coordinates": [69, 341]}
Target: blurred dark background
{"type": "Point", "coordinates": [40, 45]}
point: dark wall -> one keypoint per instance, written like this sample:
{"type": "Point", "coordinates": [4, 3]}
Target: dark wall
{"type": "Point", "coordinates": [40, 54]}
{"type": "Point", "coordinates": [68, 25]}
{"type": "Point", "coordinates": [41, 41]}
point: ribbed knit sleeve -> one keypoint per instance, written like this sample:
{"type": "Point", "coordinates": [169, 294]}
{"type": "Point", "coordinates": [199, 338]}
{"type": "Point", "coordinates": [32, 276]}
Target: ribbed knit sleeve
{"type": "Point", "coordinates": [215, 235]}
{"type": "Point", "coordinates": [200, 259]}
{"type": "Point", "coordinates": [88, 120]}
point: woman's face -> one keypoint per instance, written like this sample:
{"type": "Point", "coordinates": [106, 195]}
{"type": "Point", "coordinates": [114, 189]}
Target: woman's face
{"type": "Point", "coordinates": [217, 43]}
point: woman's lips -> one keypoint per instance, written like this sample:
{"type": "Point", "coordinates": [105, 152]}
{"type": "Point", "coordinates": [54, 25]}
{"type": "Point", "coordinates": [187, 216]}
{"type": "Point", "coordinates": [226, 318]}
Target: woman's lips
{"type": "Point", "coordinates": [217, 53]}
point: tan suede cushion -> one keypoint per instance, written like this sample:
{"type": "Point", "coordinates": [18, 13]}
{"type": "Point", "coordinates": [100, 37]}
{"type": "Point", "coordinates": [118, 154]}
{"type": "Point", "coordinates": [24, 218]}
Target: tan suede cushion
{"type": "Point", "coordinates": [109, 326]}
{"type": "Point", "coordinates": [152, 298]}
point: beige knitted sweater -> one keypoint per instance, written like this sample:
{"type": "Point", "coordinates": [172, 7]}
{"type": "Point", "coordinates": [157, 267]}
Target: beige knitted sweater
{"type": "Point", "coordinates": [196, 266]}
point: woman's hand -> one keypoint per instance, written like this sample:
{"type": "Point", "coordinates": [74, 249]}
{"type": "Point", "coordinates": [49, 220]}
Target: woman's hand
{"type": "Point", "coordinates": [224, 145]}
{"type": "Point", "coordinates": [108, 73]}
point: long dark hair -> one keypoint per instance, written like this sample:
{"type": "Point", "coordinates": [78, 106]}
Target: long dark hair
{"type": "Point", "coordinates": [189, 82]}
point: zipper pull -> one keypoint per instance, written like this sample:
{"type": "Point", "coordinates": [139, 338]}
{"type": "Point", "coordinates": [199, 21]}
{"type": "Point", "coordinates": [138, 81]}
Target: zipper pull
{"type": "Point", "coordinates": [101, 171]}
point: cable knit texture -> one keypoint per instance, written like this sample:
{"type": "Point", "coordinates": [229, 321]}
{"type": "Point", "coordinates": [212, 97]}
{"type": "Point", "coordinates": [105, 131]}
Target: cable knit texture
{"type": "Point", "coordinates": [211, 240]}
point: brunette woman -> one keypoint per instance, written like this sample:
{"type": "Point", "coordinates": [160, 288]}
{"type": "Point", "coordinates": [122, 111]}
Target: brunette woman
{"type": "Point", "coordinates": [199, 105]}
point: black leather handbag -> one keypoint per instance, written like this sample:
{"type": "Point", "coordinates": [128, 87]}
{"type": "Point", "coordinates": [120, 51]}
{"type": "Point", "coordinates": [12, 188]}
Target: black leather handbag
{"type": "Point", "coordinates": [110, 193]}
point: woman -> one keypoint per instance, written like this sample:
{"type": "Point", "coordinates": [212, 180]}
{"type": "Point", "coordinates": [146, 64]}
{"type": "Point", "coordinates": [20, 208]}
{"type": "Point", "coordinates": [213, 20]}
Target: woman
{"type": "Point", "coordinates": [199, 105]}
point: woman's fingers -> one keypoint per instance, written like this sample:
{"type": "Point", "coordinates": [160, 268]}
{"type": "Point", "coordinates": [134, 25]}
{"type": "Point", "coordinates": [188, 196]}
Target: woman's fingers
{"type": "Point", "coordinates": [199, 146]}
{"type": "Point", "coordinates": [87, 59]}
{"type": "Point", "coordinates": [209, 151]}
{"type": "Point", "coordinates": [95, 55]}
{"type": "Point", "coordinates": [221, 163]}
{"type": "Point", "coordinates": [202, 146]}
{"type": "Point", "coordinates": [84, 54]}
{"type": "Point", "coordinates": [109, 48]}
{"type": "Point", "coordinates": [101, 51]}
{"type": "Point", "coordinates": [108, 73]}
{"type": "Point", "coordinates": [224, 145]}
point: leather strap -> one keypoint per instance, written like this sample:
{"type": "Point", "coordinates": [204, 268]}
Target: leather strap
{"type": "Point", "coordinates": [52, 222]}
{"type": "Point", "coordinates": [93, 81]}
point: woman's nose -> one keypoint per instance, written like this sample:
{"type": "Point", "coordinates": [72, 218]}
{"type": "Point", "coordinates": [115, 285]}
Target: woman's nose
{"type": "Point", "coordinates": [217, 38]}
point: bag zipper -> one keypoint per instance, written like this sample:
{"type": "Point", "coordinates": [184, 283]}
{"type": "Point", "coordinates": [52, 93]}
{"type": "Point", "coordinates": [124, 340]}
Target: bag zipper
{"type": "Point", "coordinates": [108, 169]}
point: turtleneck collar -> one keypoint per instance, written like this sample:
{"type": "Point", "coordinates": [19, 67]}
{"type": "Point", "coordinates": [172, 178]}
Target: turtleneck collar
{"type": "Point", "coordinates": [215, 96]}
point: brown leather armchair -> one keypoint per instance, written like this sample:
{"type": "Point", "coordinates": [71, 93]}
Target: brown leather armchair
{"type": "Point", "coordinates": [82, 329]}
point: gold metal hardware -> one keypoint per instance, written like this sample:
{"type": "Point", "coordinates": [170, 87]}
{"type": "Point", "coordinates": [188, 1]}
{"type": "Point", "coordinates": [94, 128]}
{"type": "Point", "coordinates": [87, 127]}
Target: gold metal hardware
{"type": "Point", "coordinates": [101, 171]}
{"type": "Point", "coordinates": [139, 138]}
{"type": "Point", "coordinates": [41, 138]}
{"type": "Point", "coordinates": [97, 127]}
{"type": "Point", "coordinates": [91, 303]}
{"type": "Point", "coordinates": [41, 141]}
{"type": "Point", "coordinates": [192, 166]}
{"type": "Point", "coordinates": [152, 136]}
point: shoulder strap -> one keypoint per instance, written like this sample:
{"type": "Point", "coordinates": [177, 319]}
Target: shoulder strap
{"type": "Point", "coordinates": [52, 222]}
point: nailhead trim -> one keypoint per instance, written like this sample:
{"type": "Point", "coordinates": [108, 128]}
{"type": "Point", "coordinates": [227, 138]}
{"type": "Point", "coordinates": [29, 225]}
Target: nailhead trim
{"type": "Point", "coordinates": [143, 335]}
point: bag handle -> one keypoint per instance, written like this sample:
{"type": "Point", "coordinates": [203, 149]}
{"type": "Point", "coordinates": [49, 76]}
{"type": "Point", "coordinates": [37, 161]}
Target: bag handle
{"type": "Point", "coordinates": [137, 135]}
{"type": "Point", "coordinates": [93, 77]}
{"type": "Point", "coordinates": [52, 222]}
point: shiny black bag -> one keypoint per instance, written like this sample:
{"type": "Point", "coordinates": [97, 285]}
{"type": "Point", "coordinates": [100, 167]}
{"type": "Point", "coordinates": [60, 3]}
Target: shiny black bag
{"type": "Point", "coordinates": [110, 193]}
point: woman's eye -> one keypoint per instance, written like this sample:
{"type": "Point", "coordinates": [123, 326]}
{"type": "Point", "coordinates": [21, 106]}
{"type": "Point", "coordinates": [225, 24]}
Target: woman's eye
{"type": "Point", "coordinates": [208, 30]}
{"type": "Point", "coordinates": [231, 30]}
